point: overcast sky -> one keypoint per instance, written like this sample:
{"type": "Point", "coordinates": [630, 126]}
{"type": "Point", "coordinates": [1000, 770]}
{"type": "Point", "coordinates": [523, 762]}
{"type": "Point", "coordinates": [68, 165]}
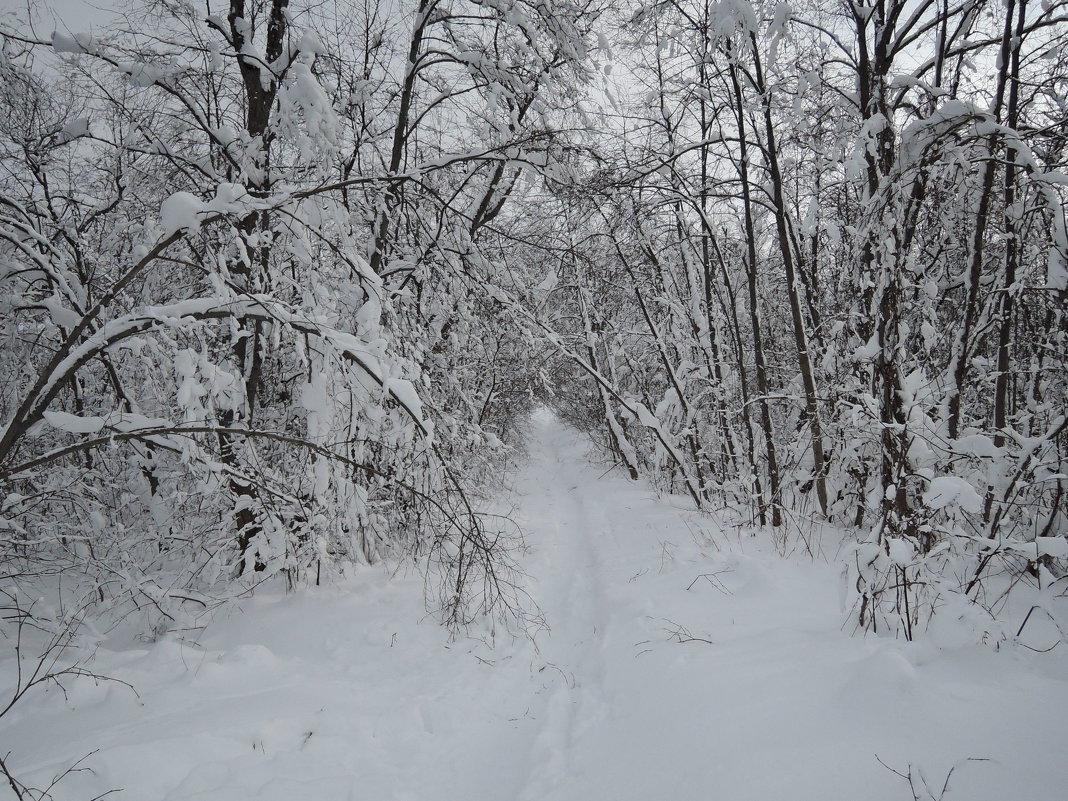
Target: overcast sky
{"type": "Point", "coordinates": [72, 15]}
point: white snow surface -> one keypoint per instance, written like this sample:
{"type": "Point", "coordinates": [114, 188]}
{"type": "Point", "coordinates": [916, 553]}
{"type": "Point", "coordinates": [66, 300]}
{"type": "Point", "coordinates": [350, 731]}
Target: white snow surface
{"type": "Point", "coordinates": [682, 661]}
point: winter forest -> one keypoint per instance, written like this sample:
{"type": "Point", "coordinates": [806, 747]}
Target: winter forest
{"type": "Point", "coordinates": [419, 354]}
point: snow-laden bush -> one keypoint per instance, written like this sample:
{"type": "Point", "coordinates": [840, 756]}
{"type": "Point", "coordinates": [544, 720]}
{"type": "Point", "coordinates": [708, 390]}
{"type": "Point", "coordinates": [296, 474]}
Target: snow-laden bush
{"type": "Point", "coordinates": [244, 327]}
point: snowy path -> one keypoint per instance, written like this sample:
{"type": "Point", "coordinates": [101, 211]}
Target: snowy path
{"type": "Point", "coordinates": [652, 684]}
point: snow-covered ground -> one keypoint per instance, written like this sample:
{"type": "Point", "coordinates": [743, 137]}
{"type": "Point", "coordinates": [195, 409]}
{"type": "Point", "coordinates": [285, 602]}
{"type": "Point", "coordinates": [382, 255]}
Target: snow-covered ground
{"type": "Point", "coordinates": [682, 662]}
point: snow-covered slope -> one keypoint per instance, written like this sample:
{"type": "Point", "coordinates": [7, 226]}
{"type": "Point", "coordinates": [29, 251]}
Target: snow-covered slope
{"type": "Point", "coordinates": [681, 662]}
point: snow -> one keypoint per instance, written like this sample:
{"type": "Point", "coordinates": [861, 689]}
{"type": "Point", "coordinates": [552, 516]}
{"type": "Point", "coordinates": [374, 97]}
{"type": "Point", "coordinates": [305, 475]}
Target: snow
{"type": "Point", "coordinates": [229, 198]}
{"type": "Point", "coordinates": [946, 490]}
{"type": "Point", "coordinates": [1056, 547]}
{"type": "Point", "coordinates": [74, 43]}
{"type": "Point", "coordinates": [405, 393]}
{"type": "Point", "coordinates": [72, 423]}
{"type": "Point", "coordinates": [61, 314]}
{"type": "Point", "coordinates": [901, 552]}
{"type": "Point", "coordinates": [181, 210]}
{"type": "Point", "coordinates": [683, 660]}
{"type": "Point", "coordinates": [645, 417]}
{"type": "Point", "coordinates": [74, 129]}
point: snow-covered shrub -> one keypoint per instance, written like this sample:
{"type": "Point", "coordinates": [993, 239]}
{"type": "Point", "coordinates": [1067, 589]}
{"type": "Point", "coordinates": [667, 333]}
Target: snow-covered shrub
{"type": "Point", "coordinates": [245, 332]}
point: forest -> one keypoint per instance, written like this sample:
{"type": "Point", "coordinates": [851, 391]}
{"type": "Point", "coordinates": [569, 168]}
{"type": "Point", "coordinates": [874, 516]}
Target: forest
{"type": "Point", "coordinates": [282, 284]}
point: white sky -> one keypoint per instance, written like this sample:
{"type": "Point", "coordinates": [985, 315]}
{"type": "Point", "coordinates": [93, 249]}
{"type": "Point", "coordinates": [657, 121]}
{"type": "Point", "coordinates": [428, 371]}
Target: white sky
{"type": "Point", "coordinates": [75, 16]}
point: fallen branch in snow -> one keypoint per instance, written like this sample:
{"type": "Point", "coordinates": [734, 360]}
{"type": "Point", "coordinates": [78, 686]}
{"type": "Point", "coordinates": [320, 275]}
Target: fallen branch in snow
{"type": "Point", "coordinates": [712, 579]}
{"type": "Point", "coordinates": [681, 634]}
{"type": "Point", "coordinates": [23, 792]}
{"type": "Point", "coordinates": [918, 782]}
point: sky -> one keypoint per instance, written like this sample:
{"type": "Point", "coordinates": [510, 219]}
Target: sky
{"type": "Point", "coordinates": [69, 15]}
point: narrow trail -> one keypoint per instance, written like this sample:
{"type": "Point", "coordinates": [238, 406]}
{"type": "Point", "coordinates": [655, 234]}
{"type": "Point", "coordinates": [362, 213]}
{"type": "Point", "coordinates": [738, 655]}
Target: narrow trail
{"type": "Point", "coordinates": [679, 663]}
{"type": "Point", "coordinates": [612, 726]}
{"type": "Point", "coordinates": [572, 536]}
